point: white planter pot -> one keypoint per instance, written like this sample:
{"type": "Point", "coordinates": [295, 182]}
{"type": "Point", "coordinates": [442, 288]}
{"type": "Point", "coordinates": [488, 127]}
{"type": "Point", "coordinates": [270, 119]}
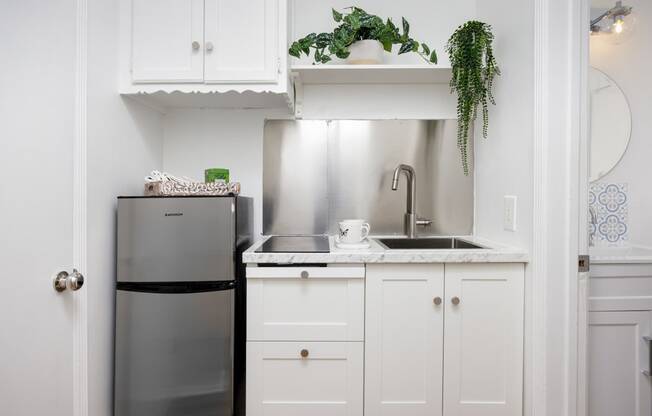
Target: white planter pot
{"type": "Point", "coordinates": [365, 52]}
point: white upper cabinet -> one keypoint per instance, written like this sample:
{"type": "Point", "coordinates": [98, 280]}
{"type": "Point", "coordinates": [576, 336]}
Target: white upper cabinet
{"type": "Point", "coordinates": [404, 340]}
{"type": "Point", "coordinates": [179, 53]}
{"type": "Point", "coordinates": [241, 41]}
{"type": "Point", "coordinates": [167, 40]}
{"type": "Point", "coordinates": [483, 340]}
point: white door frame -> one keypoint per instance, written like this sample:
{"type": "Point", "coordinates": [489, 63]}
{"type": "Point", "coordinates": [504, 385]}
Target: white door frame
{"type": "Point", "coordinates": [80, 327]}
{"type": "Point", "coordinates": [555, 381]}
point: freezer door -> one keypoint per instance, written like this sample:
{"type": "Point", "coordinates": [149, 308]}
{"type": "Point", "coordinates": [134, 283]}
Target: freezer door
{"type": "Point", "coordinates": [176, 239]}
{"type": "Point", "coordinates": [174, 354]}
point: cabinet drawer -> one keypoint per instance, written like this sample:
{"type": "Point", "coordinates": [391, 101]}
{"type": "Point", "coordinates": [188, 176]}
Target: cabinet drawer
{"type": "Point", "coordinates": [327, 379]}
{"type": "Point", "coordinates": [326, 306]}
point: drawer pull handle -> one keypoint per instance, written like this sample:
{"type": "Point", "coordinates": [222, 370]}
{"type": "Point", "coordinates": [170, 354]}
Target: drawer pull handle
{"type": "Point", "coordinates": [304, 274]}
{"type": "Point", "coordinates": [437, 301]}
{"type": "Point", "coordinates": [304, 353]}
{"type": "Point", "coordinates": [455, 300]}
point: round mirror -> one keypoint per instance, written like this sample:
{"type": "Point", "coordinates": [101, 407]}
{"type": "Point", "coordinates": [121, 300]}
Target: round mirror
{"type": "Point", "coordinates": [611, 123]}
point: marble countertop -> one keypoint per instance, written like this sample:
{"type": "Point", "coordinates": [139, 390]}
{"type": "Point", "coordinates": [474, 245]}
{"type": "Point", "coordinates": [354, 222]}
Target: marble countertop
{"type": "Point", "coordinates": [493, 253]}
{"type": "Point", "coordinates": [621, 255]}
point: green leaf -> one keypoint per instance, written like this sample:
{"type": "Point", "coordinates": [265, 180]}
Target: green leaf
{"type": "Point", "coordinates": [337, 16]}
{"type": "Point", "coordinates": [406, 27]}
{"type": "Point", "coordinates": [406, 47]}
{"type": "Point", "coordinates": [433, 57]}
{"type": "Point", "coordinates": [387, 45]}
{"type": "Point", "coordinates": [426, 49]}
{"type": "Point", "coordinates": [295, 50]}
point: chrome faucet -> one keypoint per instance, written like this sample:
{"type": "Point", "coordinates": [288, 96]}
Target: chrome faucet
{"type": "Point", "coordinates": [594, 221]}
{"type": "Point", "coordinates": [410, 221]}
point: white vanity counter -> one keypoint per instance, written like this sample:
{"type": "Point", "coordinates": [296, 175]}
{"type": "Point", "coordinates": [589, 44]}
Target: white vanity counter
{"type": "Point", "coordinates": [494, 253]}
{"type": "Point", "coordinates": [621, 255]}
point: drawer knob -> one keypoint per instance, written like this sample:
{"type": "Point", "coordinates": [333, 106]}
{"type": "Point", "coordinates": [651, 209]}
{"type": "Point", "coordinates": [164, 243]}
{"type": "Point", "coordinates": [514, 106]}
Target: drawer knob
{"type": "Point", "coordinates": [304, 353]}
{"type": "Point", "coordinates": [437, 301]}
{"type": "Point", "coordinates": [455, 300]}
{"type": "Point", "coordinates": [304, 274]}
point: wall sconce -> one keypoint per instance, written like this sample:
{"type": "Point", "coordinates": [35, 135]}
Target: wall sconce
{"type": "Point", "coordinates": [619, 22]}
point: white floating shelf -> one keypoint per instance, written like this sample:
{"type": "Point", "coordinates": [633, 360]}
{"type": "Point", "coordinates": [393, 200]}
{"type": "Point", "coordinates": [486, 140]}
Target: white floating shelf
{"type": "Point", "coordinates": [371, 74]}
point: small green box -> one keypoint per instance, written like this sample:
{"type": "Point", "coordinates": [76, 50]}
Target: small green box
{"type": "Point", "coordinates": [214, 174]}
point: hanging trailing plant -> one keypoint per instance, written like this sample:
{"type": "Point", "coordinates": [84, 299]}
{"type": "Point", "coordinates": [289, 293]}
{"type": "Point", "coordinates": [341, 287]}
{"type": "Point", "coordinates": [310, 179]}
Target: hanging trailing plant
{"type": "Point", "coordinates": [474, 67]}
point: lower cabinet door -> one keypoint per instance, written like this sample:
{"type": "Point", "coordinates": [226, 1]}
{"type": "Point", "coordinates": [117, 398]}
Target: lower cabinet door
{"type": "Point", "coordinates": [304, 378]}
{"type": "Point", "coordinates": [483, 340]}
{"type": "Point", "coordinates": [619, 363]}
{"type": "Point", "coordinates": [403, 340]}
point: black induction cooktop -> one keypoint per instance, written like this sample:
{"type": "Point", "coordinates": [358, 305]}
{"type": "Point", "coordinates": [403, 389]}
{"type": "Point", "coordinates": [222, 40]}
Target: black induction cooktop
{"type": "Point", "coordinates": [295, 244]}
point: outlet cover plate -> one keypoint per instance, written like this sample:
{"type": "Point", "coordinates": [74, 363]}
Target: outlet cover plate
{"type": "Point", "coordinates": [509, 213]}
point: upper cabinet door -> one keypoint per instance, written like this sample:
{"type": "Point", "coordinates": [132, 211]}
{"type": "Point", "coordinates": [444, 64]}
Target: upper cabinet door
{"type": "Point", "coordinates": [242, 41]}
{"type": "Point", "coordinates": [167, 40]}
{"type": "Point", "coordinates": [403, 339]}
{"type": "Point", "coordinates": [483, 340]}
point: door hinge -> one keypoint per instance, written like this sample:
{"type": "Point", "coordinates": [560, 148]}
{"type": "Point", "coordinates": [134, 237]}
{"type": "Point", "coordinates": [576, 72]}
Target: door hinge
{"type": "Point", "coordinates": [583, 263]}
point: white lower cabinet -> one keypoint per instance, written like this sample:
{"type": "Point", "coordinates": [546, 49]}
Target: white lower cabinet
{"type": "Point", "coordinates": [304, 378]}
{"type": "Point", "coordinates": [483, 340]}
{"type": "Point", "coordinates": [444, 339]}
{"type": "Point", "coordinates": [619, 363]}
{"type": "Point", "coordinates": [305, 303]}
{"type": "Point", "coordinates": [404, 340]}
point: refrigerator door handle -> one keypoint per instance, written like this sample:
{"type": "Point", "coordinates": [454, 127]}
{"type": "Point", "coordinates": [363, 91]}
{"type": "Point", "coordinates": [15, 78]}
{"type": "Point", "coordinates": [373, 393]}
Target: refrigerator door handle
{"type": "Point", "coordinates": [176, 287]}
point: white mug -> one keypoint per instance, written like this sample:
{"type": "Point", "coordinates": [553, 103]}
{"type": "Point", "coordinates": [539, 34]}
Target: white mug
{"type": "Point", "coordinates": [353, 231]}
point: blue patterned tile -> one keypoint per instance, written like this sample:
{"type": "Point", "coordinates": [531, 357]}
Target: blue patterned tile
{"type": "Point", "coordinates": [609, 202]}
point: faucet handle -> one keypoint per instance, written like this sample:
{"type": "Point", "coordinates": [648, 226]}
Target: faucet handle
{"type": "Point", "coordinates": [424, 222]}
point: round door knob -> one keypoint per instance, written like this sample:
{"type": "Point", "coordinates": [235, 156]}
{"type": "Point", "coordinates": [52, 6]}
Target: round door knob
{"type": "Point", "coordinates": [304, 274]}
{"type": "Point", "coordinates": [209, 46]}
{"type": "Point", "coordinates": [304, 353]}
{"type": "Point", "coordinates": [437, 301]}
{"type": "Point", "coordinates": [65, 280]}
{"type": "Point", "coordinates": [75, 280]}
{"type": "Point", "coordinates": [455, 300]}
{"type": "Point", "coordinates": [195, 46]}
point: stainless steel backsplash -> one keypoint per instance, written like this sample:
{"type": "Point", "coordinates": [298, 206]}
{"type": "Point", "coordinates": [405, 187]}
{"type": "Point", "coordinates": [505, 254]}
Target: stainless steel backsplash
{"type": "Point", "coordinates": [318, 172]}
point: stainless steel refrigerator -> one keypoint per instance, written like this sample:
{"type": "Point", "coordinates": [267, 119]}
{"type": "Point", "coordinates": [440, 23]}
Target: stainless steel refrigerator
{"type": "Point", "coordinates": [180, 306]}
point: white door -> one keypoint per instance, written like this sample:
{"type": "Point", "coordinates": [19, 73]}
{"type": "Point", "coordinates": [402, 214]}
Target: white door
{"type": "Point", "coordinates": [304, 378]}
{"type": "Point", "coordinates": [404, 340]}
{"type": "Point", "coordinates": [37, 131]}
{"type": "Point", "coordinates": [167, 40]}
{"type": "Point", "coordinates": [619, 363]}
{"type": "Point", "coordinates": [483, 340]}
{"type": "Point", "coordinates": [242, 41]}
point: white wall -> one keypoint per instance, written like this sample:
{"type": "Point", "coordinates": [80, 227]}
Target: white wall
{"type": "Point", "coordinates": [233, 139]}
{"type": "Point", "coordinates": [503, 164]}
{"type": "Point", "coordinates": [628, 65]}
{"type": "Point", "coordinates": [124, 144]}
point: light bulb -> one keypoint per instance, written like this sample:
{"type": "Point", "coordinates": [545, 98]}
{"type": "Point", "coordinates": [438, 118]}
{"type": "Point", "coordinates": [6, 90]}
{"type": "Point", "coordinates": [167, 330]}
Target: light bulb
{"type": "Point", "coordinates": [618, 25]}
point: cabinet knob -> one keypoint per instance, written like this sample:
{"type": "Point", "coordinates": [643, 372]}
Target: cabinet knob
{"type": "Point", "coordinates": [437, 301]}
{"type": "Point", "coordinates": [195, 46]}
{"type": "Point", "coordinates": [209, 46]}
{"type": "Point", "coordinates": [455, 300]}
{"type": "Point", "coordinates": [304, 353]}
{"type": "Point", "coordinates": [304, 274]}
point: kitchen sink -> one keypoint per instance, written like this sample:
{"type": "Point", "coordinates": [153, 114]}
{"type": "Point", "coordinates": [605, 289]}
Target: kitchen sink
{"type": "Point", "coordinates": [437, 243]}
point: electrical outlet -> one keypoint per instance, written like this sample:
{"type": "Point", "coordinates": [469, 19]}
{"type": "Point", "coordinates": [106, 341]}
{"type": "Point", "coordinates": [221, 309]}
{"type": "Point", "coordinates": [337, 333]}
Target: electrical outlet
{"type": "Point", "coordinates": [509, 213]}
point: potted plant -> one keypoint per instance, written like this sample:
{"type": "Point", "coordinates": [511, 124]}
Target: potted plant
{"type": "Point", "coordinates": [360, 38]}
{"type": "Point", "coordinates": [474, 66]}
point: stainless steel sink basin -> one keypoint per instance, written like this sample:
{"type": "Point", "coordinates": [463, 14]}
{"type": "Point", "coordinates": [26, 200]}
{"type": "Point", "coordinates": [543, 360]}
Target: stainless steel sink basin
{"type": "Point", "coordinates": [437, 243]}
